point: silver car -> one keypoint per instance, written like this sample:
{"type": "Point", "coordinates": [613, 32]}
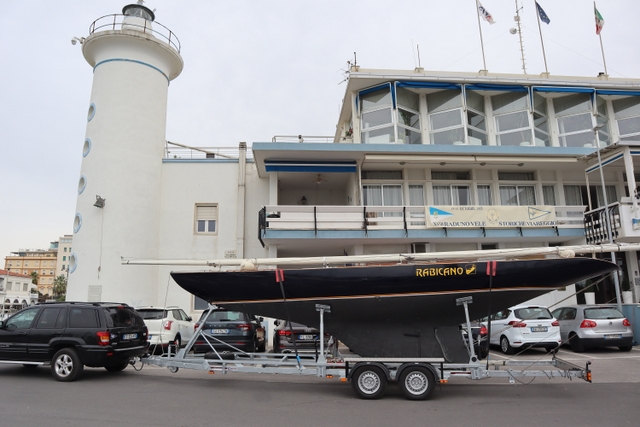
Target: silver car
{"type": "Point", "coordinates": [588, 326]}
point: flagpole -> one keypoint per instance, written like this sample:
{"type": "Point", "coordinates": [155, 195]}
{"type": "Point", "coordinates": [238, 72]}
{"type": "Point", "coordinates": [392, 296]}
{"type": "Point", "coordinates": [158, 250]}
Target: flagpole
{"type": "Point", "coordinates": [604, 61]}
{"type": "Point", "coordinates": [544, 54]}
{"type": "Point", "coordinates": [484, 62]}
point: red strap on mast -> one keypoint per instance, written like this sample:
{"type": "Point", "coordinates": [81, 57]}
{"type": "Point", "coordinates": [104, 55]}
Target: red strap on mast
{"type": "Point", "coordinates": [492, 266]}
{"type": "Point", "coordinates": [279, 275]}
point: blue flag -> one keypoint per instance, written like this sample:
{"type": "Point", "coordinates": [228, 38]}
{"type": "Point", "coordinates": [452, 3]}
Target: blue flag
{"type": "Point", "coordinates": [543, 16]}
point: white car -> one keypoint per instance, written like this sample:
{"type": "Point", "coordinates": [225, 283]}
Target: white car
{"type": "Point", "coordinates": [169, 326]}
{"type": "Point", "coordinates": [523, 327]}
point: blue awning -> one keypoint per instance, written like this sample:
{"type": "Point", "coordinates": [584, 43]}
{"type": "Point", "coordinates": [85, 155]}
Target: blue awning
{"type": "Point", "coordinates": [428, 85]}
{"type": "Point", "coordinates": [305, 166]}
{"type": "Point", "coordinates": [563, 89]}
{"type": "Point", "coordinates": [618, 92]}
{"type": "Point", "coordinates": [506, 88]}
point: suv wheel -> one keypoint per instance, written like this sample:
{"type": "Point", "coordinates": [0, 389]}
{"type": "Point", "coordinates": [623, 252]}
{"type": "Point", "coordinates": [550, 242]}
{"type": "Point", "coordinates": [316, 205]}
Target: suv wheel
{"type": "Point", "coordinates": [66, 365]}
{"type": "Point", "coordinates": [176, 345]}
{"type": "Point", "coordinates": [118, 366]}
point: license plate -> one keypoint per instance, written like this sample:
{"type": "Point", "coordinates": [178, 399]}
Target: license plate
{"type": "Point", "coordinates": [614, 336]}
{"type": "Point", "coordinates": [305, 337]}
{"type": "Point", "coordinates": [539, 329]}
{"type": "Point", "coordinates": [129, 336]}
{"type": "Point", "coordinates": [219, 331]}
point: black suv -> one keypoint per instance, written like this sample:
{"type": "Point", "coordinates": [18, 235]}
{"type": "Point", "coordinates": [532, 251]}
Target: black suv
{"type": "Point", "coordinates": [70, 335]}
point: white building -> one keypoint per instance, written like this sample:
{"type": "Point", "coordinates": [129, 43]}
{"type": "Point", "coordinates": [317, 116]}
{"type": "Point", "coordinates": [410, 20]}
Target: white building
{"type": "Point", "coordinates": [16, 292]}
{"type": "Point", "coordinates": [421, 161]}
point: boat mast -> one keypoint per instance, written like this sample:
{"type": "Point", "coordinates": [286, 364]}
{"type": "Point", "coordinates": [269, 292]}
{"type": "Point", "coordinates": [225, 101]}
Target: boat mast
{"type": "Point", "coordinates": [469, 256]}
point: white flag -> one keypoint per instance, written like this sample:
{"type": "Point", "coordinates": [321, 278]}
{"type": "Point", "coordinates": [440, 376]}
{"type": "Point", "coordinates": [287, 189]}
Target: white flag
{"type": "Point", "coordinates": [485, 14]}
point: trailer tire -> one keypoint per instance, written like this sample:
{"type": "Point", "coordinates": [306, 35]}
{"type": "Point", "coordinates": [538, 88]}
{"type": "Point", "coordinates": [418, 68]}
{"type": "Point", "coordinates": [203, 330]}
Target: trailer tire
{"type": "Point", "coordinates": [369, 382]}
{"type": "Point", "coordinates": [416, 383]}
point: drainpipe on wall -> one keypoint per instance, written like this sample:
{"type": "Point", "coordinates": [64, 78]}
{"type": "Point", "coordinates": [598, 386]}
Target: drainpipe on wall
{"type": "Point", "coordinates": [242, 167]}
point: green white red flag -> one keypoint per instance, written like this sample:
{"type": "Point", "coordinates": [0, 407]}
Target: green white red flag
{"type": "Point", "coordinates": [599, 20]}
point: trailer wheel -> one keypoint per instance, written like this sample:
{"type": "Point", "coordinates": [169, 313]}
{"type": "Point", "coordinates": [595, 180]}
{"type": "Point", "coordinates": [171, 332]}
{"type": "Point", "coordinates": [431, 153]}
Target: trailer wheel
{"type": "Point", "coordinates": [416, 383]}
{"type": "Point", "coordinates": [369, 382]}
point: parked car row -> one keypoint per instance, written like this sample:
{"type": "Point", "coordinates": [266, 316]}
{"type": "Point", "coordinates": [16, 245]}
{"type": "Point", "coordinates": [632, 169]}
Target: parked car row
{"type": "Point", "coordinates": [579, 326]}
{"type": "Point", "coordinates": [70, 335]}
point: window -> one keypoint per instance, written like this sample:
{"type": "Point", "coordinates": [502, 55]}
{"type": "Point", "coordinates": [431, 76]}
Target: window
{"type": "Point", "coordinates": [511, 114]}
{"type": "Point", "coordinates": [416, 198]}
{"type": "Point", "coordinates": [64, 258]}
{"type": "Point", "coordinates": [48, 318]}
{"type": "Point", "coordinates": [484, 195]}
{"type": "Point", "coordinates": [516, 176]}
{"type": "Point", "coordinates": [627, 114]}
{"type": "Point", "coordinates": [25, 286]}
{"type": "Point", "coordinates": [206, 218]}
{"type": "Point", "coordinates": [408, 117]}
{"type": "Point", "coordinates": [540, 121]}
{"type": "Point", "coordinates": [83, 318]}
{"type": "Point", "coordinates": [575, 126]}
{"type": "Point", "coordinates": [548, 195]}
{"type": "Point", "coordinates": [573, 195]}
{"type": "Point", "coordinates": [445, 117]}
{"type": "Point", "coordinates": [383, 195]}
{"type": "Point", "coordinates": [376, 119]}
{"type": "Point", "coordinates": [517, 195]}
{"type": "Point", "coordinates": [23, 319]}
{"type": "Point", "coordinates": [476, 119]}
{"type": "Point", "coordinates": [451, 195]}
{"type": "Point", "coordinates": [450, 176]}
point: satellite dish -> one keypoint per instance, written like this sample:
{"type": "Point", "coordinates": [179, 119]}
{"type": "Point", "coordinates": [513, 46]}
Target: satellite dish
{"type": "Point", "coordinates": [513, 30]}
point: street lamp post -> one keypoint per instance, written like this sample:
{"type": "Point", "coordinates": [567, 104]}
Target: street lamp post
{"type": "Point", "coordinates": [606, 216]}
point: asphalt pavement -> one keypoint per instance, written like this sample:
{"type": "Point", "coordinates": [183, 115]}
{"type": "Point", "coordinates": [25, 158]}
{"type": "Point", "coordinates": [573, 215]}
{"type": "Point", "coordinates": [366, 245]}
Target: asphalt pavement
{"type": "Point", "coordinates": [155, 397]}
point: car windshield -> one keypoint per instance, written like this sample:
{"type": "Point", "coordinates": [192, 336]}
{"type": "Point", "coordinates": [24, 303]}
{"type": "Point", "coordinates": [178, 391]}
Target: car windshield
{"type": "Point", "coordinates": [152, 313]}
{"type": "Point", "coordinates": [530, 313]}
{"type": "Point", "coordinates": [225, 316]}
{"type": "Point", "coordinates": [602, 313]}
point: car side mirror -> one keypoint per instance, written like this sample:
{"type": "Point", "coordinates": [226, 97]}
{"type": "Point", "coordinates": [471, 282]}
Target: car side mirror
{"type": "Point", "coordinates": [260, 319]}
{"type": "Point", "coordinates": [10, 326]}
{"type": "Point", "coordinates": [189, 319]}
{"type": "Point", "coordinates": [1, 324]}
{"type": "Point", "coordinates": [277, 322]}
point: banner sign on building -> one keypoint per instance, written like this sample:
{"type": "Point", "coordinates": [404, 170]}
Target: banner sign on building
{"type": "Point", "coordinates": [490, 216]}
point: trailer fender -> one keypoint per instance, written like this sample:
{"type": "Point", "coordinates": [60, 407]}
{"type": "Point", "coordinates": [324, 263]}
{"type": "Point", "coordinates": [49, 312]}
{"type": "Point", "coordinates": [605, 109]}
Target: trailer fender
{"type": "Point", "coordinates": [429, 366]}
{"type": "Point", "coordinates": [360, 365]}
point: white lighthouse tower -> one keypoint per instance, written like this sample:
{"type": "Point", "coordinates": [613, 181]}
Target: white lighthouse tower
{"type": "Point", "coordinates": [119, 188]}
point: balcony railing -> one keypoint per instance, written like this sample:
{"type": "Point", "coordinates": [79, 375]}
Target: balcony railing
{"type": "Point", "coordinates": [624, 221]}
{"type": "Point", "coordinates": [117, 22]}
{"type": "Point", "coordinates": [367, 218]}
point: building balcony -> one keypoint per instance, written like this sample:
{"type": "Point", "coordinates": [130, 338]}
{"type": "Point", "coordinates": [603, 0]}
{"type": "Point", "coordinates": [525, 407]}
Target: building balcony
{"type": "Point", "coordinates": [420, 223]}
{"type": "Point", "coordinates": [624, 221]}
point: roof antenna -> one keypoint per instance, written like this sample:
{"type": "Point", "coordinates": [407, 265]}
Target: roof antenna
{"type": "Point", "coordinates": [519, 32]}
{"type": "Point", "coordinates": [419, 64]}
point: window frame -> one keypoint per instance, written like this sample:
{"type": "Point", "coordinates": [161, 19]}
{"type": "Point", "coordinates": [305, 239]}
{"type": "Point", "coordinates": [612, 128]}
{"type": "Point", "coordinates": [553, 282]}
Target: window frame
{"type": "Point", "coordinates": [202, 217]}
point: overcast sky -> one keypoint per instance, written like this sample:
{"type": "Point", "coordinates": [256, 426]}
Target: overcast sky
{"type": "Point", "coordinates": [255, 69]}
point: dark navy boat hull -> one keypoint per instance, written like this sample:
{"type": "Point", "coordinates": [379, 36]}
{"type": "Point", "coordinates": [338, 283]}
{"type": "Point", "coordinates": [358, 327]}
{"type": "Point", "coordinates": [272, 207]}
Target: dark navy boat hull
{"type": "Point", "coordinates": [393, 310]}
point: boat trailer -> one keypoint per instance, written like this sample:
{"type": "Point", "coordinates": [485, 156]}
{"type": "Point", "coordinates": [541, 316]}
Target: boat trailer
{"type": "Point", "coordinates": [369, 376]}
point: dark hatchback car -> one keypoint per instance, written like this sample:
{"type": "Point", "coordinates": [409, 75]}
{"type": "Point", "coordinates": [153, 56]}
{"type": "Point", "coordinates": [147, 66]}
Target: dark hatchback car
{"type": "Point", "coordinates": [230, 331]}
{"type": "Point", "coordinates": [70, 335]}
{"type": "Point", "coordinates": [288, 337]}
{"type": "Point", "coordinates": [306, 339]}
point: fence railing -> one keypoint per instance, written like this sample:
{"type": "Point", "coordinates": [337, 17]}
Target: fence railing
{"type": "Point", "coordinates": [318, 218]}
{"type": "Point", "coordinates": [116, 22]}
{"type": "Point", "coordinates": [595, 224]}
